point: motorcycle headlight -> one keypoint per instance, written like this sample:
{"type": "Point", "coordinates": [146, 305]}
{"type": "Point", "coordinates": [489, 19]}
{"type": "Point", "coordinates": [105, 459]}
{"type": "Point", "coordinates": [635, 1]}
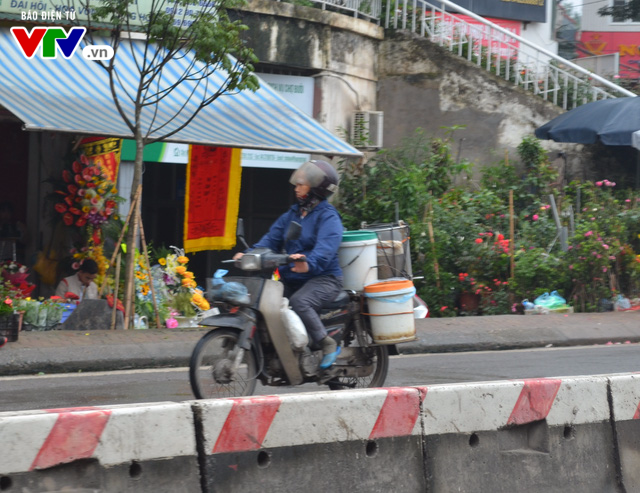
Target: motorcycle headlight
{"type": "Point", "coordinates": [250, 261]}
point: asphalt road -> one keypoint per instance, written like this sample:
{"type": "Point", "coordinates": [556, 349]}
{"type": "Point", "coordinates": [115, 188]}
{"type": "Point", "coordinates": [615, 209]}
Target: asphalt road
{"type": "Point", "coordinates": [123, 387]}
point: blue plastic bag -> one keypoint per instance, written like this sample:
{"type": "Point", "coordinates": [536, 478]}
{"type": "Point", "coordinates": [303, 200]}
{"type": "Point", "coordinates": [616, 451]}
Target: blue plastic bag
{"type": "Point", "coordinates": [553, 300]}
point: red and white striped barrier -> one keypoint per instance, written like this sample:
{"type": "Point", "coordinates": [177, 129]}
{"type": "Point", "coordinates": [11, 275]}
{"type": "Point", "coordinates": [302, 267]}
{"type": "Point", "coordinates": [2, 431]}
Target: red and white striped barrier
{"type": "Point", "coordinates": [472, 407]}
{"type": "Point", "coordinates": [625, 392]}
{"type": "Point", "coordinates": [251, 423]}
{"type": "Point", "coordinates": [261, 440]}
{"type": "Point", "coordinates": [114, 435]}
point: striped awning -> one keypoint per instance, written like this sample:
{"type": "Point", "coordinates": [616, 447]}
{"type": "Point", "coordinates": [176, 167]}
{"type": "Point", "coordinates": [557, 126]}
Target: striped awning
{"type": "Point", "coordinates": [73, 95]}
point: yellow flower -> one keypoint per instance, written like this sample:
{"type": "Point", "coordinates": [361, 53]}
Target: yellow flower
{"type": "Point", "coordinates": [86, 209]}
{"type": "Point", "coordinates": [181, 269]}
{"type": "Point", "coordinates": [145, 289]}
{"type": "Point", "coordinates": [182, 259]}
{"type": "Point", "coordinates": [162, 261]}
{"type": "Point", "coordinates": [196, 298]}
{"type": "Point", "coordinates": [188, 283]}
{"type": "Point", "coordinates": [141, 275]}
{"type": "Point", "coordinates": [114, 190]}
{"type": "Point", "coordinates": [188, 275]}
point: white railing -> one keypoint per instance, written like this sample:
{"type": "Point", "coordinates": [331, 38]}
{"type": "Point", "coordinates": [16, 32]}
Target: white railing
{"type": "Point", "coordinates": [502, 52]}
{"type": "Point", "coordinates": [370, 10]}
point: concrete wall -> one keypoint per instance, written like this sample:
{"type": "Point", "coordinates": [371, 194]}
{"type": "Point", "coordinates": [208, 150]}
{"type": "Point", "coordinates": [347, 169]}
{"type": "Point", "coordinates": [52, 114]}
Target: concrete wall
{"type": "Point", "coordinates": [339, 51]}
{"type": "Point", "coordinates": [573, 434]}
{"type": "Point", "coordinates": [422, 85]}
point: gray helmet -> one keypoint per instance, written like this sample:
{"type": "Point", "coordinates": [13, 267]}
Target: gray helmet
{"type": "Point", "coordinates": [319, 175]}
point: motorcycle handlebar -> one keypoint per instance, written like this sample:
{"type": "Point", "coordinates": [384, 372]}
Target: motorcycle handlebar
{"type": "Point", "coordinates": [300, 259]}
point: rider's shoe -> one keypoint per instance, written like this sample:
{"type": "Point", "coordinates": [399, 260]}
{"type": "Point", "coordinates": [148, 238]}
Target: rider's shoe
{"type": "Point", "coordinates": [329, 359]}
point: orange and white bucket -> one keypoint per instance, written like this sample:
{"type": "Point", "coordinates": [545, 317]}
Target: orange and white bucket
{"type": "Point", "coordinates": [391, 311]}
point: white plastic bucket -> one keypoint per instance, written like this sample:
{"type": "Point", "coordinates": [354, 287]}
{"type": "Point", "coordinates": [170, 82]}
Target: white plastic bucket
{"type": "Point", "coordinates": [358, 260]}
{"type": "Point", "coordinates": [391, 311]}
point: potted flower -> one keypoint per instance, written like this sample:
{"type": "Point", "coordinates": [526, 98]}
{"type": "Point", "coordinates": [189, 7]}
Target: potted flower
{"type": "Point", "coordinates": [469, 299]}
{"type": "Point", "coordinates": [9, 319]}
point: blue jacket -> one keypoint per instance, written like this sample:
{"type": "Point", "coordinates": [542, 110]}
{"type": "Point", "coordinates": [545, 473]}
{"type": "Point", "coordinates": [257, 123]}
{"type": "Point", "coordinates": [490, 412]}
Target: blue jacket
{"type": "Point", "coordinates": [319, 241]}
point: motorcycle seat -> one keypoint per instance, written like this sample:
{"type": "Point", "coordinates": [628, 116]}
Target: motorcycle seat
{"type": "Point", "coordinates": [341, 300]}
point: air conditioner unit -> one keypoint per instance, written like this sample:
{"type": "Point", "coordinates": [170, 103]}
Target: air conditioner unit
{"type": "Point", "coordinates": [366, 129]}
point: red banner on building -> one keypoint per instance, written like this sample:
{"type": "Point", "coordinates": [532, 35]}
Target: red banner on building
{"type": "Point", "coordinates": [212, 198]}
{"type": "Point", "coordinates": [626, 44]}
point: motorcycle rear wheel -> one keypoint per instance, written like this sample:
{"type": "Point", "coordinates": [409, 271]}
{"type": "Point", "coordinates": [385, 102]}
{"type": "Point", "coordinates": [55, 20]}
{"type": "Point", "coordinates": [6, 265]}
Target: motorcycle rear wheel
{"type": "Point", "coordinates": [379, 356]}
{"type": "Point", "coordinates": [210, 368]}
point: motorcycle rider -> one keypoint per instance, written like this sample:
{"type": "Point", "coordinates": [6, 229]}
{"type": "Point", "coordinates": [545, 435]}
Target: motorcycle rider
{"type": "Point", "coordinates": [310, 284]}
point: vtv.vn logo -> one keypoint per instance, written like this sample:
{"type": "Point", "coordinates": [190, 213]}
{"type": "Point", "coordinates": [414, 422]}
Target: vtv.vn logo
{"type": "Point", "coordinates": [52, 40]}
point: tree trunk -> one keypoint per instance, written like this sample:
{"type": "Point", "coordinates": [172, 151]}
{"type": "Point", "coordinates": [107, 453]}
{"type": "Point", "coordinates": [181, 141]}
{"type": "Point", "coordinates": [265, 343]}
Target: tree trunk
{"type": "Point", "coordinates": [129, 282]}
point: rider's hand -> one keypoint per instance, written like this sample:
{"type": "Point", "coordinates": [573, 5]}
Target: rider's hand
{"type": "Point", "coordinates": [299, 267]}
{"type": "Point", "coordinates": [238, 256]}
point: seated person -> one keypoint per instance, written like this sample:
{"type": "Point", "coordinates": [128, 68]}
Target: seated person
{"type": "Point", "coordinates": [80, 286]}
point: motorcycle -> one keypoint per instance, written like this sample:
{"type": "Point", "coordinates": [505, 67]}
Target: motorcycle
{"type": "Point", "coordinates": [248, 341]}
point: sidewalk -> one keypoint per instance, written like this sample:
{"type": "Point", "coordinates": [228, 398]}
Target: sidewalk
{"type": "Point", "coordinates": [59, 351]}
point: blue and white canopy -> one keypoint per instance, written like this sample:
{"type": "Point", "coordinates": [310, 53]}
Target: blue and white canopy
{"type": "Point", "coordinates": [73, 95]}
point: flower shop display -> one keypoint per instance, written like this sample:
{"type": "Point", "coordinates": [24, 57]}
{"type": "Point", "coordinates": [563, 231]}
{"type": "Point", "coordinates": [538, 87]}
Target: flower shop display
{"type": "Point", "coordinates": [86, 202]}
{"type": "Point", "coordinates": [17, 275]}
{"type": "Point", "coordinates": [41, 314]}
{"type": "Point", "coordinates": [184, 297]}
{"type": "Point", "coordinates": [178, 298]}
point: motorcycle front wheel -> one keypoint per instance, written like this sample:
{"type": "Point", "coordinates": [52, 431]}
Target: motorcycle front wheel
{"type": "Point", "coordinates": [378, 356]}
{"type": "Point", "coordinates": [211, 367]}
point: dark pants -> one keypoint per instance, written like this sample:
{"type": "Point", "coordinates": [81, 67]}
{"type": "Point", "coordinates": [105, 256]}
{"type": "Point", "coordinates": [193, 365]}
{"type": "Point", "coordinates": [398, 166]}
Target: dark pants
{"type": "Point", "coordinates": [308, 299]}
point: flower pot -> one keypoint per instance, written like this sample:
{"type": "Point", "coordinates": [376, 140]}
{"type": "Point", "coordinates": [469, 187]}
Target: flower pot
{"type": "Point", "coordinates": [469, 302]}
{"type": "Point", "coordinates": [10, 326]}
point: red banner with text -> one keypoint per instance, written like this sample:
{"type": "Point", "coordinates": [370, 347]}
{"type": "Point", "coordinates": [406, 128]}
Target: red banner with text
{"type": "Point", "coordinates": [212, 198]}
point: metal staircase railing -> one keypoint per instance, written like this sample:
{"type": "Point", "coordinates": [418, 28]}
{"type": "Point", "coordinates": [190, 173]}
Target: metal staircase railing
{"type": "Point", "coordinates": [502, 52]}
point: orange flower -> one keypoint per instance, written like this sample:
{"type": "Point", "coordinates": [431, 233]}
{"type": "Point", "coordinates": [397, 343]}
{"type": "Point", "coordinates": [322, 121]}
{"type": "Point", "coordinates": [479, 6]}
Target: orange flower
{"type": "Point", "coordinates": [188, 275]}
{"type": "Point", "coordinates": [181, 269]}
{"type": "Point", "coordinates": [182, 259]}
{"type": "Point", "coordinates": [188, 283]}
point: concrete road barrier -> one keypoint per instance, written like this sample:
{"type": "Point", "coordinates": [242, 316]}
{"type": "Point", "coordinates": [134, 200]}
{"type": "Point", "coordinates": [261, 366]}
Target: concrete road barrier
{"type": "Point", "coordinates": [625, 402]}
{"type": "Point", "coordinates": [535, 435]}
{"type": "Point", "coordinates": [367, 440]}
{"type": "Point", "coordinates": [133, 448]}
{"type": "Point", "coordinates": [575, 434]}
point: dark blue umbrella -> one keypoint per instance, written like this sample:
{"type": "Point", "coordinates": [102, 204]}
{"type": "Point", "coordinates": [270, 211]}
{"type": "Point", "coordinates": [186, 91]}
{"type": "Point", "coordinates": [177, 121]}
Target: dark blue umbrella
{"type": "Point", "coordinates": [610, 121]}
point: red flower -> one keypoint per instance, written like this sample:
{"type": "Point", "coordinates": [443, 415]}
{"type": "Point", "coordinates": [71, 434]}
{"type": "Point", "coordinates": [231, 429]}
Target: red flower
{"type": "Point", "coordinates": [75, 210]}
{"type": "Point", "coordinates": [66, 176]}
{"type": "Point", "coordinates": [478, 240]}
{"type": "Point", "coordinates": [81, 221]}
{"type": "Point", "coordinates": [84, 160]}
{"type": "Point", "coordinates": [61, 208]}
{"type": "Point", "coordinates": [68, 200]}
{"type": "Point", "coordinates": [67, 218]}
{"type": "Point", "coordinates": [91, 185]}
{"type": "Point", "coordinates": [119, 306]}
{"type": "Point", "coordinates": [443, 308]}
{"type": "Point", "coordinates": [76, 167]}
{"type": "Point", "coordinates": [72, 189]}
{"type": "Point", "coordinates": [78, 179]}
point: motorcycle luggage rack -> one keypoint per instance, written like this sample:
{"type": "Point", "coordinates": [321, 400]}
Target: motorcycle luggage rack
{"type": "Point", "coordinates": [393, 249]}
